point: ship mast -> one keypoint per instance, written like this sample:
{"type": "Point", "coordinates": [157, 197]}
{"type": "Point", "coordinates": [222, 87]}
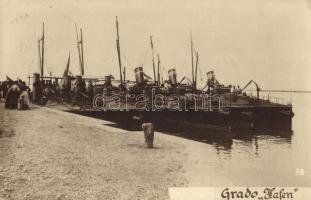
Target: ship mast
{"type": "Point", "coordinates": [80, 51]}
{"type": "Point", "coordinates": [192, 60]}
{"type": "Point", "coordinates": [67, 67]}
{"type": "Point", "coordinates": [118, 49]}
{"type": "Point", "coordinates": [154, 73]}
{"type": "Point", "coordinates": [42, 51]}
{"type": "Point", "coordinates": [196, 69]}
{"type": "Point", "coordinates": [82, 54]}
{"type": "Point", "coordinates": [39, 53]}
{"type": "Point", "coordinates": [159, 81]}
{"type": "Point", "coordinates": [124, 74]}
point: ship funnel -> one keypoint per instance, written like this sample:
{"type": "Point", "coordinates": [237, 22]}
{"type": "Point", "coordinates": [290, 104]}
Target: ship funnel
{"type": "Point", "coordinates": [172, 76]}
{"type": "Point", "coordinates": [210, 78]}
{"type": "Point", "coordinates": [139, 75]}
{"type": "Point", "coordinates": [108, 80]}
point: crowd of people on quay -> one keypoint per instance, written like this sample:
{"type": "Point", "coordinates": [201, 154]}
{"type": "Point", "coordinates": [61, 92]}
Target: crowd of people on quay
{"type": "Point", "coordinates": [15, 93]}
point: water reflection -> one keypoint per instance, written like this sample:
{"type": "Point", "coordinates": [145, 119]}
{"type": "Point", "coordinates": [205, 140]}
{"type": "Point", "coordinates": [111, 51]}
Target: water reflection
{"type": "Point", "coordinates": [223, 141]}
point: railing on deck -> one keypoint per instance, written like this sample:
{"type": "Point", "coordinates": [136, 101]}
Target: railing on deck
{"type": "Point", "coordinates": [272, 99]}
{"type": "Point", "coordinates": [276, 100]}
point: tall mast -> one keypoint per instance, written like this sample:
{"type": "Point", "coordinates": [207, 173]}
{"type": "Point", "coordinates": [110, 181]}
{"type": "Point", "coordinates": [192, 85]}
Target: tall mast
{"type": "Point", "coordinates": [124, 74]}
{"type": "Point", "coordinates": [67, 67]}
{"type": "Point", "coordinates": [82, 56]}
{"type": "Point", "coordinates": [79, 50]}
{"type": "Point", "coordinates": [154, 73]}
{"type": "Point", "coordinates": [42, 54]}
{"type": "Point", "coordinates": [39, 59]}
{"type": "Point", "coordinates": [196, 69]}
{"type": "Point", "coordinates": [118, 49]}
{"type": "Point", "coordinates": [192, 60]}
{"type": "Point", "coordinates": [159, 81]}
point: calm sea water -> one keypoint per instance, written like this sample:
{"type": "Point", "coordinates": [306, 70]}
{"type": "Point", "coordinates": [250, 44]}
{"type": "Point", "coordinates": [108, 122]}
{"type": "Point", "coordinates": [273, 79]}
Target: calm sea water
{"type": "Point", "coordinates": [265, 160]}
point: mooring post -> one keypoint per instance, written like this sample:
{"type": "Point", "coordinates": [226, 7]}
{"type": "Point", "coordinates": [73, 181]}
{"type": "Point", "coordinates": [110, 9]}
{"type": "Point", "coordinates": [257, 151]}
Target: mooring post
{"type": "Point", "coordinates": [148, 134]}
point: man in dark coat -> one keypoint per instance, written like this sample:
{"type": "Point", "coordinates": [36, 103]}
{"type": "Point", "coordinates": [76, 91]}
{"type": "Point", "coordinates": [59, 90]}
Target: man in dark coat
{"type": "Point", "coordinates": [12, 97]}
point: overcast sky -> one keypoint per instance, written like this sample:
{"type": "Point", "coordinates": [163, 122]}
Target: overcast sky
{"type": "Point", "coordinates": [268, 41]}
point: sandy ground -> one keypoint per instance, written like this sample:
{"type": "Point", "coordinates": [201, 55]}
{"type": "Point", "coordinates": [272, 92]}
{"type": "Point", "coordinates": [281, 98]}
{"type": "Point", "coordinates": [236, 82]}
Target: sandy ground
{"type": "Point", "coordinates": [50, 154]}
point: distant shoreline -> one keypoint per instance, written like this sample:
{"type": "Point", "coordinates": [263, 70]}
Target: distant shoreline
{"type": "Point", "coordinates": [286, 91]}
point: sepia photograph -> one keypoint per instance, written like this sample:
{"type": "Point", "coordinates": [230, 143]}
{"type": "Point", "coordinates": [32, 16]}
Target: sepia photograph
{"type": "Point", "coordinates": [155, 99]}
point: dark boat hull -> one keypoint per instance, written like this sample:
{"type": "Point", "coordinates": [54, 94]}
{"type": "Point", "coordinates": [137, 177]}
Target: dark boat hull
{"type": "Point", "coordinates": [239, 120]}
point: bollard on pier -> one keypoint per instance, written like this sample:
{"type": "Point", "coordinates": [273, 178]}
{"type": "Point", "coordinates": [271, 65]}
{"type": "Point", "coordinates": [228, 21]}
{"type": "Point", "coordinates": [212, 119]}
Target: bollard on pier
{"type": "Point", "coordinates": [149, 134]}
